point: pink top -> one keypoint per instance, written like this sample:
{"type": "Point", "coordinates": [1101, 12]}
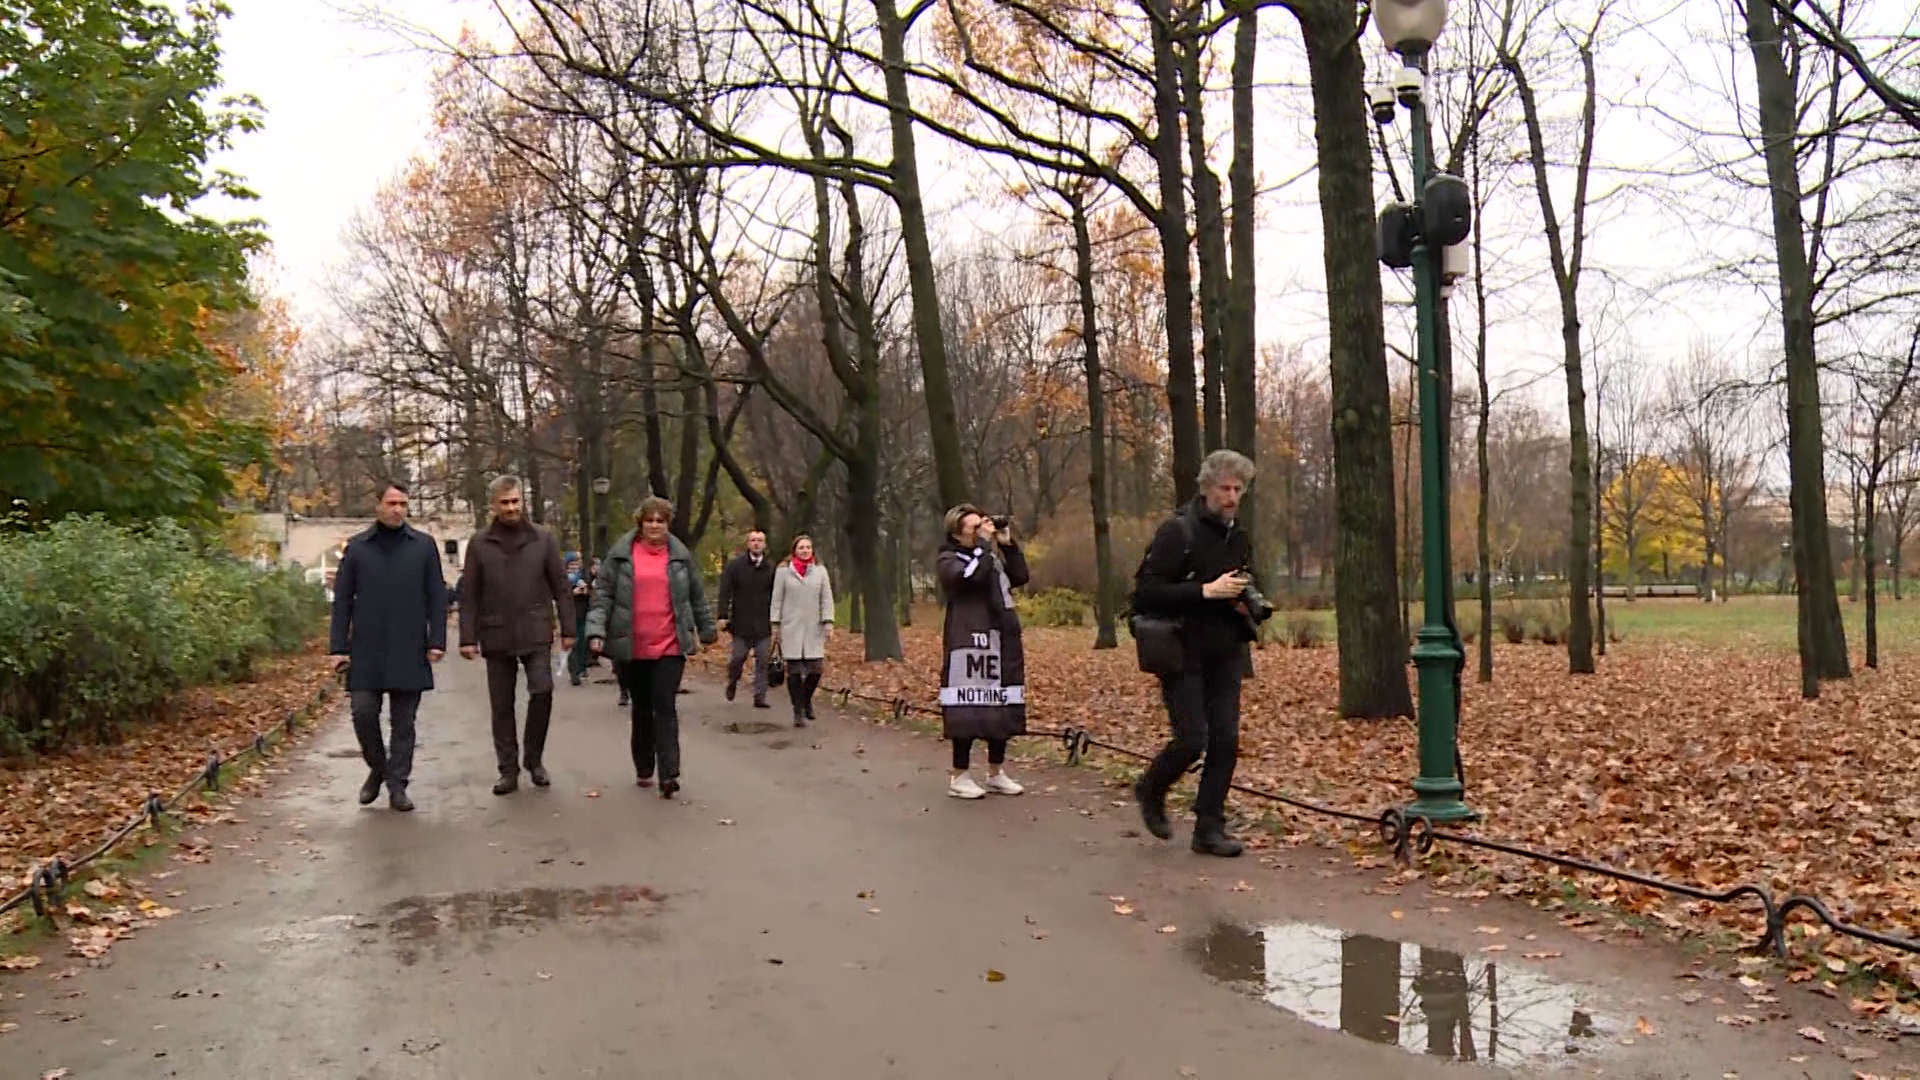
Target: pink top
{"type": "Point", "coordinates": [654, 632]}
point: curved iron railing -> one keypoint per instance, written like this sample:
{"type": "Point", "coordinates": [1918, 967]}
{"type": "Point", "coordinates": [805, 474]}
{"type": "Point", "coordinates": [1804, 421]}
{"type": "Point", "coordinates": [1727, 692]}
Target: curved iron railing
{"type": "Point", "coordinates": [1410, 834]}
{"type": "Point", "coordinates": [47, 885]}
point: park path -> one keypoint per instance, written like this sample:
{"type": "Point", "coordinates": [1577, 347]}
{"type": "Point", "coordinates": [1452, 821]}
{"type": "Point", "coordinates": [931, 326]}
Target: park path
{"type": "Point", "coordinates": [815, 906]}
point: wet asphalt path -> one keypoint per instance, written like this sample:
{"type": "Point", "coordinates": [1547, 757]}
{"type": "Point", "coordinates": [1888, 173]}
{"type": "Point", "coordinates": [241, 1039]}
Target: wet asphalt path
{"type": "Point", "coordinates": [813, 906]}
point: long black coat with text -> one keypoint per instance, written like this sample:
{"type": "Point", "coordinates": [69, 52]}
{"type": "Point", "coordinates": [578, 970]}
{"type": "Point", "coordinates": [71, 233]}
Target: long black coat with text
{"type": "Point", "coordinates": [389, 609]}
{"type": "Point", "coordinates": [983, 680]}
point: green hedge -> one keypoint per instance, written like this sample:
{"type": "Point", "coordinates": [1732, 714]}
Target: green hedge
{"type": "Point", "coordinates": [101, 624]}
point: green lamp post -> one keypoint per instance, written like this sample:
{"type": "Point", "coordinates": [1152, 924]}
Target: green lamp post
{"type": "Point", "coordinates": [1416, 237]}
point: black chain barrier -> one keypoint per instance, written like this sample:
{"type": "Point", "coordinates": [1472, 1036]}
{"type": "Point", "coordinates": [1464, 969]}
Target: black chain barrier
{"type": "Point", "coordinates": [1408, 835]}
{"type": "Point", "coordinates": [47, 885]}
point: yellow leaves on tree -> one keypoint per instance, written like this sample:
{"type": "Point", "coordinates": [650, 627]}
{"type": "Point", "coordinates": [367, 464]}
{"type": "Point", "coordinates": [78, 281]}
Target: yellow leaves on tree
{"type": "Point", "coordinates": [1648, 524]}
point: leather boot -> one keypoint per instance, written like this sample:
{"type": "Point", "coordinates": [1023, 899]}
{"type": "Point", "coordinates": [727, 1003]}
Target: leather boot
{"type": "Point", "coordinates": [397, 798]}
{"type": "Point", "coordinates": [1153, 810]}
{"type": "Point", "coordinates": [370, 790]}
{"type": "Point", "coordinates": [1210, 838]}
{"type": "Point", "coordinates": [813, 683]}
{"type": "Point", "coordinates": [508, 783]}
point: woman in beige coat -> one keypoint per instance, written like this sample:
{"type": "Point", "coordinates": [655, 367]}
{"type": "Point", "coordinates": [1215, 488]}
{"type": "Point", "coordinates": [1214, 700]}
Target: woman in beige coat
{"type": "Point", "coordinates": [802, 621]}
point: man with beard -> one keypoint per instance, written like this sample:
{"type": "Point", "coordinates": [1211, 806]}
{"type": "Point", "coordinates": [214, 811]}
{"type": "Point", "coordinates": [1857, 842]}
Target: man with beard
{"type": "Point", "coordinates": [514, 587]}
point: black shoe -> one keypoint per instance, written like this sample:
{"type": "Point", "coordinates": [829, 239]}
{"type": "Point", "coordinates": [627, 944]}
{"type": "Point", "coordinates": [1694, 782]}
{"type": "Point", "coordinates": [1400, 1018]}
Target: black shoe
{"type": "Point", "coordinates": [370, 790]}
{"type": "Point", "coordinates": [1210, 838]}
{"type": "Point", "coordinates": [397, 799]}
{"type": "Point", "coordinates": [538, 774]}
{"type": "Point", "coordinates": [575, 678]}
{"type": "Point", "coordinates": [810, 715]}
{"type": "Point", "coordinates": [761, 703]}
{"type": "Point", "coordinates": [1153, 811]}
{"type": "Point", "coordinates": [508, 783]}
{"type": "Point", "coordinates": [730, 689]}
{"type": "Point", "coordinates": [669, 788]}
{"type": "Point", "coordinates": [799, 718]}
{"type": "Point", "coordinates": [644, 781]}
{"type": "Point", "coordinates": [623, 699]}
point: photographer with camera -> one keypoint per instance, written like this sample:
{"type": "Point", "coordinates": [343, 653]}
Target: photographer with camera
{"type": "Point", "coordinates": [1196, 610]}
{"type": "Point", "coordinates": [983, 692]}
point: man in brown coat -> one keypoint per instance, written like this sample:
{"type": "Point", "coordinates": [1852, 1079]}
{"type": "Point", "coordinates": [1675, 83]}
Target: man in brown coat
{"type": "Point", "coordinates": [514, 587]}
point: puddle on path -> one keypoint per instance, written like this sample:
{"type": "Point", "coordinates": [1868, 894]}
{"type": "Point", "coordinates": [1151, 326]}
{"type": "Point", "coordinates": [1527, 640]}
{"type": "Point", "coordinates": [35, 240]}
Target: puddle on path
{"type": "Point", "coordinates": [426, 922]}
{"type": "Point", "coordinates": [753, 727]}
{"type": "Point", "coordinates": [1420, 999]}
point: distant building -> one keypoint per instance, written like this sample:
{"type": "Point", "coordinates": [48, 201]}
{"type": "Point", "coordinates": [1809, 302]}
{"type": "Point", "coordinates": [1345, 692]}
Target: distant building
{"type": "Point", "coordinates": [315, 543]}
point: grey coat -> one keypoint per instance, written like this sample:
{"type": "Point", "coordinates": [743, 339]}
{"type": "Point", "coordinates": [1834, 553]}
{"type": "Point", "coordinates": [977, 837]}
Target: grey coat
{"type": "Point", "coordinates": [611, 617]}
{"type": "Point", "coordinates": [389, 610]}
{"type": "Point", "coordinates": [802, 611]}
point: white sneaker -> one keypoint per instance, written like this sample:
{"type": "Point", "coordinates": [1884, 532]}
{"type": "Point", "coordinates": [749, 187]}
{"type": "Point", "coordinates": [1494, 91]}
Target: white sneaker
{"type": "Point", "coordinates": [964, 787]}
{"type": "Point", "coordinates": [1001, 784]}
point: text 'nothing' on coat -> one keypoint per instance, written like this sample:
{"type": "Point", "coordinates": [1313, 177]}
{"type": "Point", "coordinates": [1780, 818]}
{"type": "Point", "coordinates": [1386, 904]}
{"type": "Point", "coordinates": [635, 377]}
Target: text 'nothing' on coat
{"type": "Point", "coordinates": [389, 609]}
{"type": "Point", "coordinates": [802, 609]}
{"type": "Point", "coordinates": [983, 680]}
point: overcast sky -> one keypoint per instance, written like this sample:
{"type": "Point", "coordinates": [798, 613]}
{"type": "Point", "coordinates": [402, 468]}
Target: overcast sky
{"type": "Point", "coordinates": [346, 105]}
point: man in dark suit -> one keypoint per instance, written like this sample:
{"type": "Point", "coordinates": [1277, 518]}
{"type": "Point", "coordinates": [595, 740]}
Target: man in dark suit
{"type": "Point", "coordinates": [746, 603]}
{"type": "Point", "coordinates": [389, 628]}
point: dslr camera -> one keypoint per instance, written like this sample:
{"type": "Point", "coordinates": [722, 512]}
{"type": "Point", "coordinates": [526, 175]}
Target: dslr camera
{"type": "Point", "coordinates": [1259, 608]}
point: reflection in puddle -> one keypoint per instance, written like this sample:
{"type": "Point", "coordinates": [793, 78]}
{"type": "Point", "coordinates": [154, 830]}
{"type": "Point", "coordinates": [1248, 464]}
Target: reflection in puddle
{"type": "Point", "coordinates": [1419, 999]}
{"type": "Point", "coordinates": [418, 921]}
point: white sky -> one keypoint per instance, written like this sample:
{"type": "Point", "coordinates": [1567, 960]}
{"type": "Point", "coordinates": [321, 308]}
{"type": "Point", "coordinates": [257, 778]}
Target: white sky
{"type": "Point", "coordinates": [346, 105]}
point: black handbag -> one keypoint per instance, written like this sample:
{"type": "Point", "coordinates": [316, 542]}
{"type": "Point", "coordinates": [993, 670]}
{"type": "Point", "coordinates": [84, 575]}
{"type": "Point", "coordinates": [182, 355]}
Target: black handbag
{"type": "Point", "coordinates": [776, 669]}
{"type": "Point", "coordinates": [1157, 641]}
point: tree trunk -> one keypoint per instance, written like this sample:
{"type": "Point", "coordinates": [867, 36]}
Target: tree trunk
{"type": "Point", "coordinates": [1210, 232]}
{"type": "Point", "coordinates": [1242, 391]}
{"type": "Point", "coordinates": [943, 423]}
{"type": "Point", "coordinates": [1483, 531]}
{"type": "Point", "coordinates": [1105, 598]}
{"type": "Point", "coordinates": [1176, 274]}
{"type": "Point", "coordinates": [1372, 639]}
{"type": "Point", "coordinates": [1867, 567]}
{"type": "Point", "coordinates": [1822, 636]}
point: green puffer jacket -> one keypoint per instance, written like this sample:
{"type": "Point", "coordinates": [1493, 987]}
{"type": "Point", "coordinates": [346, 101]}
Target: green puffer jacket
{"type": "Point", "coordinates": [611, 617]}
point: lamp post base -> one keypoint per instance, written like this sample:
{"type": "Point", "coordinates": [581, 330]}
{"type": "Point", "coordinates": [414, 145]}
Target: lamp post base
{"type": "Point", "coordinates": [1439, 801]}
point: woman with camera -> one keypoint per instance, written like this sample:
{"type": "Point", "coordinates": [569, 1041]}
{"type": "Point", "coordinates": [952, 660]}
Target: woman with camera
{"type": "Point", "coordinates": [983, 693]}
{"type": "Point", "coordinates": [1195, 577]}
{"type": "Point", "coordinates": [802, 616]}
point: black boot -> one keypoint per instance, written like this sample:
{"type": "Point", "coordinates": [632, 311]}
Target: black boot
{"type": "Point", "coordinates": [539, 717]}
{"type": "Point", "coordinates": [1210, 838]}
{"type": "Point", "coordinates": [370, 790]}
{"type": "Point", "coordinates": [799, 716]}
{"type": "Point", "coordinates": [1153, 810]}
{"type": "Point", "coordinates": [508, 783]}
{"type": "Point", "coordinates": [813, 683]}
{"type": "Point", "coordinates": [397, 798]}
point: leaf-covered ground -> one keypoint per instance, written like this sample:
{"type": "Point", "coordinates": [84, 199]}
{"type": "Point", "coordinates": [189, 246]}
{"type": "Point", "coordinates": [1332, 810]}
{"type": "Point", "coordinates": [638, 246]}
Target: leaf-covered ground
{"type": "Point", "coordinates": [67, 803]}
{"type": "Point", "coordinates": [1691, 762]}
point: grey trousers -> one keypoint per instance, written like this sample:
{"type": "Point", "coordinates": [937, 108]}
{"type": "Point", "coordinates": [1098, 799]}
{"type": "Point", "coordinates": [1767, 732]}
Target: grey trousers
{"type": "Point", "coordinates": [503, 675]}
{"type": "Point", "coordinates": [737, 659]}
{"type": "Point", "coordinates": [392, 764]}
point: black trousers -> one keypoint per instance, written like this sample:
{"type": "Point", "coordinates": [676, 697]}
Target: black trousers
{"type": "Point", "coordinates": [1203, 706]}
{"type": "Point", "coordinates": [655, 739]}
{"type": "Point", "coordinates": [963, 752]}
{"type": "Point", "coordinates": [393, 764]}
{"type": "Point", "coordinates": [503, 677]}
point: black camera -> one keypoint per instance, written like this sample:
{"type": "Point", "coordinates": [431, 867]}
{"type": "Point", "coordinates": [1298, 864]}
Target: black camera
{"type": "Point", "coordinates": [1002, 522]}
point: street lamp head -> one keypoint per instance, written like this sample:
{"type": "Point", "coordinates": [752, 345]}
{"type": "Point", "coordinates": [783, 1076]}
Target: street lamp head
{"type": "Point", "coordinates": [602, 485]}
{"type": "Point", "coordinates": [1410, 26]}
{"type": "Point", "coordinates": [1380, 98]}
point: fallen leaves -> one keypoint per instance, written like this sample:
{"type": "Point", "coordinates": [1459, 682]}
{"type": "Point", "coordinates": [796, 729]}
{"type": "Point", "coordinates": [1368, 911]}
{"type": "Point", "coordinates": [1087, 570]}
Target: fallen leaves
{"type": "Point", "coordinates": [1813, 1033]}
{"type": "Point", "coordinates": [1169, 929]}
{"type": "Point", "coordinates": [1723, 776]}
{"type": "Point", "coordinates": [73, 799]}
{"type": "Point", "coordinates": [19, 963]}
{"type": "Point", "coordinates": [995, 976]}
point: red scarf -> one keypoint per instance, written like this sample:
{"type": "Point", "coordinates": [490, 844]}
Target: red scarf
{"type": "Point", "coordinates": [800, 566]}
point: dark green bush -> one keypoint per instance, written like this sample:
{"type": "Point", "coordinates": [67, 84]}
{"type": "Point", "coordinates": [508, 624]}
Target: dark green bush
{"type": "Point", "coordinates": [101, 624]}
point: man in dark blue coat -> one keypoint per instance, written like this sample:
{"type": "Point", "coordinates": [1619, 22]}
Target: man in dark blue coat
{"type": "Point", "coordinates": [389, 629]}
